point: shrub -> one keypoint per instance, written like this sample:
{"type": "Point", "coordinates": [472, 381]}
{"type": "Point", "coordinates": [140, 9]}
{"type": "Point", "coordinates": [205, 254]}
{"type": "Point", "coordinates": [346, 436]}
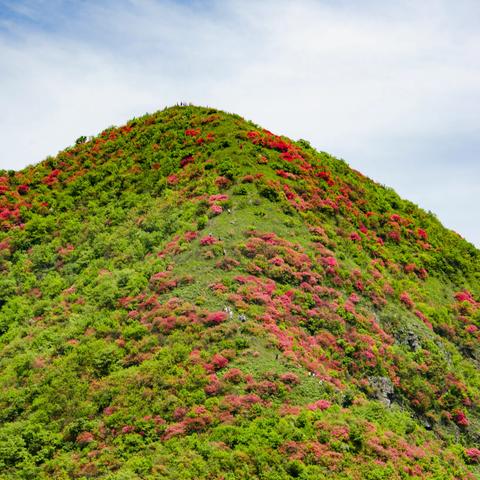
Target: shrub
{"type": "Point", "coordinates": [473, 455]}
{"type": "Point", "coordinates": [215, 318]}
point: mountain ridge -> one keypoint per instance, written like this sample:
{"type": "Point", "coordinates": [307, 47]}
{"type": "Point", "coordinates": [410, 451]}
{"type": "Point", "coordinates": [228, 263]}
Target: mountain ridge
{"type": "Point", "coordinates": [192, 296]}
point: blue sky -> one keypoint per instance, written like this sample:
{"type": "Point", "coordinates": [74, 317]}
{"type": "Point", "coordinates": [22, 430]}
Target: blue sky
{"type": "Point", "coordinates": [391, 87]}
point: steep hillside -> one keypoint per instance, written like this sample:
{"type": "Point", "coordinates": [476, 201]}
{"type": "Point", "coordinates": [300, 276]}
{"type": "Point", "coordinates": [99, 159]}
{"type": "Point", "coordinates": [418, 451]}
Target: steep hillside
{"type": "Point", "coordinates": [190, 296]}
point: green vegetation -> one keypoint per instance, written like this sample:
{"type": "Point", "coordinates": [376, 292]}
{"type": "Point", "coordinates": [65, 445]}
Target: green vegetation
{"type": "Point", "coordinates": [190, 296]}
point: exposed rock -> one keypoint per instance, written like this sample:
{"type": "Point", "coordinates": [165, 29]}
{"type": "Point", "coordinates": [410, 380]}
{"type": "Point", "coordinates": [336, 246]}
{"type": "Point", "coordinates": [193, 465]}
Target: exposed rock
{"type": "Point", "coordinates": [382, 389]}
{"type": "Point", "coordinates": [413, 341]}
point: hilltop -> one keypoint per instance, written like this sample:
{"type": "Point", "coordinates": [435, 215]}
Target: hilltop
{"type": "Point", "coordinates": [190, 296]}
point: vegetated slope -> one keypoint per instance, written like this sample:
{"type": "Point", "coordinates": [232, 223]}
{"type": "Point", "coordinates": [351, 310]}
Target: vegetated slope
{"type": "Point", "coordinates": [192, 297]}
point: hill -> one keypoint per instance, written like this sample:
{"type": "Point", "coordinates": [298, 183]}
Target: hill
{"type": "Point", "coordinates": [190, 296]}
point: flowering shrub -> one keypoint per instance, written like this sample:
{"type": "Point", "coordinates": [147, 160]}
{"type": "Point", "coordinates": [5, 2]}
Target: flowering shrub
{"type": "Point", "coordinates": [320, 405]}
{"type": "Point", "coordinates": [471, 329]}
{"type": "Point", "coordinates": [422, 234]}
{"type": "Point", "coordinates": [190, 236]}
{"type": "Point", "coordinates": [85, 438]}
{"type": "Point", "coordinates": [216, 209]}
{"type": "Point", "coordinates": [172, 179]}
{"type": "Point", "coordinates": [460, 418]}
{"type": "Point", "coordinates": [222, 182]}
{"type": "Point", "coordinates": [289, 378]}
{"type": "Point", "coordinates": [394, 235]}
{"type": "Point", "coordinates": [215, 318]}
{"type": "Point", "coordinates": [284, 174]}
{"type": "Point", "coordinates": [187, 160]}
{"type": "Point", "coordinates": [217, 362]}
{"type": "Point", "coordinates": [234, 375]}
{"type": "Point", "coordinates": [192, 132]}
{"type": "Point", "coordinates": [465, 296]}
{"type": "Point", "coordinates": [326, 176]}
{"type": "Point", "coordinates": [473, 454]}
{"type": "Point", "coordinates": [213, 387]}
{"type": "Point", "coordinates": [355, 237]}
{"type": "Point", "coordinates": [406, 300]}
{"type": "Point", "coordinates": [208, 240]}
{"type": "Point", "coordinates": [219, 197]}
{"type": "Point", "coordinates": [329, 261]}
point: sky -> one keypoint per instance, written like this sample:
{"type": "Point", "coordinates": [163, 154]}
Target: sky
{"type": "Point", "coordinates": [391, 87]}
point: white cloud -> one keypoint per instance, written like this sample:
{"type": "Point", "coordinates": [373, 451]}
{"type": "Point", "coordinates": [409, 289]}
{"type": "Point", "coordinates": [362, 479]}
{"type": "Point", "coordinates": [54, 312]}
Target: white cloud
{"type": "Point", "coordinates": [383, 84]}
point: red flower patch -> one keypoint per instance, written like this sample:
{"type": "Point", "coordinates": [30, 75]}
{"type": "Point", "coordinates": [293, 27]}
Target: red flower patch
{"type": "Point", "coordinates": [406, 300]}
{"type": "Point", "coordinates": [215, 318]}
{"type": "Point", "coordinates": [192, 132]}
{"type": "Point", "coordinates": [320, 405]}
{"type": "Point", "coordinates": [208, 240]}
{"type": "Point", "coordinates": [422, 234]}
{"type": "Point", "coordinates": [473, 454]}
{"type": "Point", "coordinates": [216, 209]}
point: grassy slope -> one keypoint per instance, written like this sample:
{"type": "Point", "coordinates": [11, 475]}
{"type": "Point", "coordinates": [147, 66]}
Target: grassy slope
{"type": "Point", "coordinates": [118, 360]}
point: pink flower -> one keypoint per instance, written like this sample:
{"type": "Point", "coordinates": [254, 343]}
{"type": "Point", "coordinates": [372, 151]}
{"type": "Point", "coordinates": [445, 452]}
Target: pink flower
{"type": "Point", "coordinates": [219, 361]}
{"type": "Point", "coordinates": [108, 411]}
{"type": "Point", "coordinates": [186, 160]}
{"type": "Point", "coordinates": [473, 454]}
{"type": "Point", "coordinates": [233, 375]}
{"type": "Point", "coordinates": [465, 296]}
{"type": "Point", "coordinates": [192, 132]}
{"type": "Point", "coordinates": [85, 437]}
{"type": "Point", "coordinates": [284, 174]}
{"type": "Point", "coordinates": [289, 378]}
{"type": "Point", "coordinates": [326, 176]}
{"type": "Point", "coordinates": [394, 235]}
{"type": "Point", "coordinates": [406, 300]}
{"type": "Point", "coordinates": [369, 355]}
{"type": "Point", "coordinates": [354, 298]}
{"type": "Point", "coordinates": [189, 236]}
{"type": "Point", "coordinates": [319, 405]}
{"type": "Point", "coordinates": [355, 237]}
{"type": "Point", "coordinates": [214, 386]}
{"type": "Point", "coordinates": [173, 430]}
{"type": "Point", "coordinates": [208, 240]}
{"type": "Point", "coordinates": [329, 261]}
{"type": "Point", "coordinates": [215, 318]}
{"type": "Point", "coordinates": [219, 197]}
{"type": "Point", "coordinates": [460, 418]}
{"type": "Point", "coordinates": [172, 179]}
{"type": "Point", "coordinates": [216, 209]}
{"type": "Point", "coordinates": [422, 234]}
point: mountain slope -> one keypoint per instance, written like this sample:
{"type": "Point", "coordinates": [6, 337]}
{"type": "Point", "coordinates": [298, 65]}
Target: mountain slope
{"type": "Point", "coordinates": [191, 296]}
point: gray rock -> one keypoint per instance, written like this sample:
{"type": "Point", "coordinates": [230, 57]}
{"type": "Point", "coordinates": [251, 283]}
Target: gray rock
{"type": "Point", "coordinates": [413, 341]}
{"type": "Point", "coordinates": [382, 389]}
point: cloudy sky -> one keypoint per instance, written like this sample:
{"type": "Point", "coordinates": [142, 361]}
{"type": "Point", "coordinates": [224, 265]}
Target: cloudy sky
{"type": "Point", "coordinates": [391, 87]}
